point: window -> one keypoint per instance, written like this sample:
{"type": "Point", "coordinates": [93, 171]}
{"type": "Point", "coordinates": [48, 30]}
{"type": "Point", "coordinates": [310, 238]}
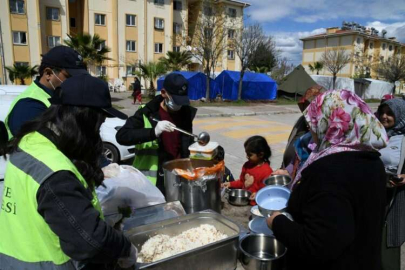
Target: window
{"type": "Point", "coordinates": [21, 64]}
{"type": "Point", "coordinates": [356, 68]}
{"type": "Point", "coordinates": [159, 2]}
{"type": "Point", "coordinates": [159, 23]}
{"type": "Point", "coordinates": [384, 46]}
{"type": "Point", "coordinates": [232, 12]}
{"type": "Point", "coordinates": [158, 47]}
{"type": "Point", "coordinates": [177, 5]}
{"type": "Point", "coordinates": [17, 6]}
{"type": "Point", "coordinates": [101, 71]}
{"type": "Point", "coordinates": [130, 70]}
{"type": "Point", "coordinates": [381, 58]}
{"type": "Point", "coordinates": [72, 22]}
{"type": "Point", "coordinates": [131, 20]}
{"type": "Point", "coordinates": [207, 11]}
{"type": "Point", "coordinates": [231, 54]}
{"type": "Point", "coordinates": [176, 48]}
{"type": "Point", "coordinates": [99, 19]}
{"type": "Point", "coordinates": [390, 48]}
{"type": "Point", "coordinates": [53, 41]}
{"type": "Point", "coordinates": [231, 33]}
{"type": "Point", "coordinates": [52, 14]}
{"type": "Point", "coordinates": [177, 28]}
{"type": "Point", "coordinates": [20, 38]}
{"type": "Point", "coordinates": [358, 40]}
{"type": "Point", "coordinates": [371, 45]}
{"type": "Point", "coordinates": [102, 45]}
{"type": "Point", "coordinates": [370, 58]}
{"type": "Point", "coordinates": [131, 46]}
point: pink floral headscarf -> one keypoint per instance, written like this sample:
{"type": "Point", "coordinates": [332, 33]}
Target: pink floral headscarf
{"type": "Point", "coordinates": [343, 122]}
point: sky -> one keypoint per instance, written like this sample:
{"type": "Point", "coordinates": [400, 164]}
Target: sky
{"type": "Point", "coordinates": [289, 20]}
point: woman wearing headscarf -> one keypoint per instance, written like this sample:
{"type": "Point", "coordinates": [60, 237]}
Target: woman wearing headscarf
{"type": "Point", "coordinates": [392, 116]}
{"type": "Point", "coordinates": [338, 197]}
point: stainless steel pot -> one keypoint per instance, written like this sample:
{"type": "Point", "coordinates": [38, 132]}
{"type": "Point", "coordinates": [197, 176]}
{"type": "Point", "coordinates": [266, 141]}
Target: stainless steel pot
{"type": "Point", "coordinates": [261, 252]}
{"type": "Point", "coordinates": [239, 197]}
{"type": "Point", "coordinates": [277, 180]}
{"type": "Point", "coordinates": [197, 195]}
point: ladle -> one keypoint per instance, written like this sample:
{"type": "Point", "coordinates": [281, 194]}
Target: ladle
{"type": "Point", "coordinates": [203, 138]}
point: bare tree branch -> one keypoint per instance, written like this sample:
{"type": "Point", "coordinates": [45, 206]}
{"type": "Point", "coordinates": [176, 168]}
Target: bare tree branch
{"type": "Point", "coordinates": [392, 69]}
{"type": "Point", "coordinates": [334, 61]}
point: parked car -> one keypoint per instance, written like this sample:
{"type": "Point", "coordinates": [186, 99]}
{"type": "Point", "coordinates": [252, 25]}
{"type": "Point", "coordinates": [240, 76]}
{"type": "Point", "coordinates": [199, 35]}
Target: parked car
{"type": "Point", "coordinates": [113, 151]}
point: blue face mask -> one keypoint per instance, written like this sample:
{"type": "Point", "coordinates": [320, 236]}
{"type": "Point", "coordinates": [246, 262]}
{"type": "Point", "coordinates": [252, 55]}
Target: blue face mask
{"type": "Point", "coordinates": [171, 105]}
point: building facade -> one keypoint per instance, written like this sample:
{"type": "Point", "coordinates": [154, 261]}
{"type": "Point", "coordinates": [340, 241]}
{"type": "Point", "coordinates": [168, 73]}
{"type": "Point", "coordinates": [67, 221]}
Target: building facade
{"type": "Point", "coordinates": [365, 46]}
{"type": "Point", "coordinates": [136, 31]}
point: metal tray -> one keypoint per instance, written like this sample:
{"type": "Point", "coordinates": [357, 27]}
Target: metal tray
{"type": "Point", "coordinates": [153, 214]}
{"type": "Point", "coordinates": [221, 255]}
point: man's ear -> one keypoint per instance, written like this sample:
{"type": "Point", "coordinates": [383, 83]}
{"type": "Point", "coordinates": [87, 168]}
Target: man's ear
{"type": "Point", "coordinates": [48, 73]}
{"type": "Point", "coordinates": [163, 93]}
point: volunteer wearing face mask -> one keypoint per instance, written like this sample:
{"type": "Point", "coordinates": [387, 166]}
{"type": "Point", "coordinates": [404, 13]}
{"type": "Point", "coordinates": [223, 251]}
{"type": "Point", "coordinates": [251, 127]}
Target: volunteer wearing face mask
{"type": "Point", "coordinates": [157, 143]}
{"type": "Point", "coordinates": [57, 65]}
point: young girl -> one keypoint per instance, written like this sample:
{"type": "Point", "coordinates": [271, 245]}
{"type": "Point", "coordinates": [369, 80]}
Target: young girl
{"type": "Point", "coordinates": [256, 169]}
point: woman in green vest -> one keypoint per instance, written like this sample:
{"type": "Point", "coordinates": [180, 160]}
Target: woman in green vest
{"type": "Point", "coordinates": [50, 217]}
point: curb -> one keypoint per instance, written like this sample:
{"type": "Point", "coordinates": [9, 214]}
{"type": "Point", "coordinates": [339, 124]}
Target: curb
{"type": "Point", "coordinates": [206, 115]}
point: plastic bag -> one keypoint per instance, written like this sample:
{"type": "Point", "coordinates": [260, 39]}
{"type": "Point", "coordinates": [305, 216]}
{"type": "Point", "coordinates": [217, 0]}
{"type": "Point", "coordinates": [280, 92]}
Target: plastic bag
{"type": "Point", "coordinates": [201, 171]}
{"type": "Point", "coordinates": [130, 188]}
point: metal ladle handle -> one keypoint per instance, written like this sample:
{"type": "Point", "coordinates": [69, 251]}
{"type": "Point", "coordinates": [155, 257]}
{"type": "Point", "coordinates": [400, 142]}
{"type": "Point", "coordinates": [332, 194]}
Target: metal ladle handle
{"type": "Point", "coordinates": [178, 129]}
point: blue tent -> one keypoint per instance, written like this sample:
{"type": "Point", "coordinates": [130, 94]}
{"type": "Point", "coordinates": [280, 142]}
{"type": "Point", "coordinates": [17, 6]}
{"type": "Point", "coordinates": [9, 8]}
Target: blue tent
{"type": "Point", "coordinates": [255, 86]}
{"type": "Point", "coordinates": [196, 84]}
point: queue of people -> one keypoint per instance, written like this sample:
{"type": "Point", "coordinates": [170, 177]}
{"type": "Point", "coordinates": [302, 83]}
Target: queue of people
{"type": "Point", "coordinates": [340, 216]}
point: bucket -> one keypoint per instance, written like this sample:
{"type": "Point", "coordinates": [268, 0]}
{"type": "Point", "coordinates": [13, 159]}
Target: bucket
{"type": "Point", "coordinates": [195, 195]}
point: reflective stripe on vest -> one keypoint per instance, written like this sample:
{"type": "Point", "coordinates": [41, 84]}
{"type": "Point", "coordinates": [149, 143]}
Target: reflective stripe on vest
{"type": "Point", "coordinates": [30, 243]}
{"type": "Point", "coordinates": [34, 92]}
{"type": "Point", "coordinates": [146, 155]}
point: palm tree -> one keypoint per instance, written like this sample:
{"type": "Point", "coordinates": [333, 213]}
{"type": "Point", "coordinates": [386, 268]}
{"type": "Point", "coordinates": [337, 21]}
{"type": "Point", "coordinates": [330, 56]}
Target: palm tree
{"type": "Point", "coordinates": [91, 48]}
{"type": "Point", "coordinates": [317, 66]}
{"type": "Point", "coordinates": [175, 61]}
{"type": "Point", "coordinates": [311, 68]}
{"type": "Point", "coordinates": [150, 71]}
{"type": "Point", "coordinates": [21, 72]}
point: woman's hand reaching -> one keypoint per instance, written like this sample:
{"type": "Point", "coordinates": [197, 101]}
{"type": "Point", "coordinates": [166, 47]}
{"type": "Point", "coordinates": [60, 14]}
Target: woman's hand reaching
{"type": "Point", "coordinates": [280, 172]}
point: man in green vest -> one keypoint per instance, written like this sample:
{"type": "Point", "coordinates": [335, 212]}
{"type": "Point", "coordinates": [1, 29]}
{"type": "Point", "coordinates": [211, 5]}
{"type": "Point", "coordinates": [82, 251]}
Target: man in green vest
{"type": "Point", "coordinates": [60, 63]}
{"type": "Point", "coordinates": [50, 217]}
{"type": "Point", "coordinates": [155, 142]}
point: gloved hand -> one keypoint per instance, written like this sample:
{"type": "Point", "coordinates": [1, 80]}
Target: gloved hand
{"type": "Point", "coordinates": [164, 126]}
{"type": "Point", "coordinates": [129, 261]}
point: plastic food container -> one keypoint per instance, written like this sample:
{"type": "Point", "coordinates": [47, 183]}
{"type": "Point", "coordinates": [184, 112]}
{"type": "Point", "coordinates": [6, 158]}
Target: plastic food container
{"type": "Point", "coordinates": [206, 152]}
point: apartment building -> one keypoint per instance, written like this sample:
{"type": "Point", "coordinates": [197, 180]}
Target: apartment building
{"type": "Point", "coordinates": [366, 46]}
{"type": "Point", "coordinates": [137, 31]}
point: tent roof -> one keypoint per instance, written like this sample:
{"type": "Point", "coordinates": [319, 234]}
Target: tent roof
{"type": "Point", "coordinates": [298, 81]}
{"type": "Point", "coordinates": [186, 74]}
{"type": "Point", "coordinates": [248, 76]}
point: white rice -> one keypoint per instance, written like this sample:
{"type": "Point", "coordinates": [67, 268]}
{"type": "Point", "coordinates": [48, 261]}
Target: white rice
{"type": "Point", "coordinates": [162, 246]}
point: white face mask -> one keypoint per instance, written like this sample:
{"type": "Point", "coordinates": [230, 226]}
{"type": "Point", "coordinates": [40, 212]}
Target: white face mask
{"type": "Point", "coordinates": [171, 105]}
{"type": "Point", "coordinates": [54, 88]}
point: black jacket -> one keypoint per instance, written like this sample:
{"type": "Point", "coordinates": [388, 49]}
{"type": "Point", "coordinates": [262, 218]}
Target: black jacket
{"type": "Point", "coordinates": [134, 132]}
{"type": "Point", "coordinates": [65, 205]}
{"type": "Point", "coordinates": [338, 209]}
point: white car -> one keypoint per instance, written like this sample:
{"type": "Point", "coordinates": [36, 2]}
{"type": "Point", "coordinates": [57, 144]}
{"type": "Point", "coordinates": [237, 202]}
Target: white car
{"type": "Point", "coordinates": [113, 151]}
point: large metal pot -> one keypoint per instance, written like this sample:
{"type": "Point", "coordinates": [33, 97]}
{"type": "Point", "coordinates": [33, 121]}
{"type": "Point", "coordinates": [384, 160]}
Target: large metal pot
{"type": "Point", "coordinates": [261, 252]}
{"type": "Point", "coordinates": [197, 195]}
{"type": "Point", "coordinates": [239, 197]}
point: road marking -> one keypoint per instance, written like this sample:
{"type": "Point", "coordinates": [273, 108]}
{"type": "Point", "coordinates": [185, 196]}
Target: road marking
{"type": "Point", "coordinates": [277, 138]}
{"type": "Point", "coordinates": [236, 134]}
{"type": "Point", "coordinates": [238, 124]}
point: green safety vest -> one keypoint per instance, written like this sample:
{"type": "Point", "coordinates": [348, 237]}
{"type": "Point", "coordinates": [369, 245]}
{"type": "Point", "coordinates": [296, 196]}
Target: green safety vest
{"type": "Point", "coordinates": [26, 240]}
{"type": "Point", "coordinates": [34, 92]}
{"type": "Point", "coordinates": [146, 155]}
